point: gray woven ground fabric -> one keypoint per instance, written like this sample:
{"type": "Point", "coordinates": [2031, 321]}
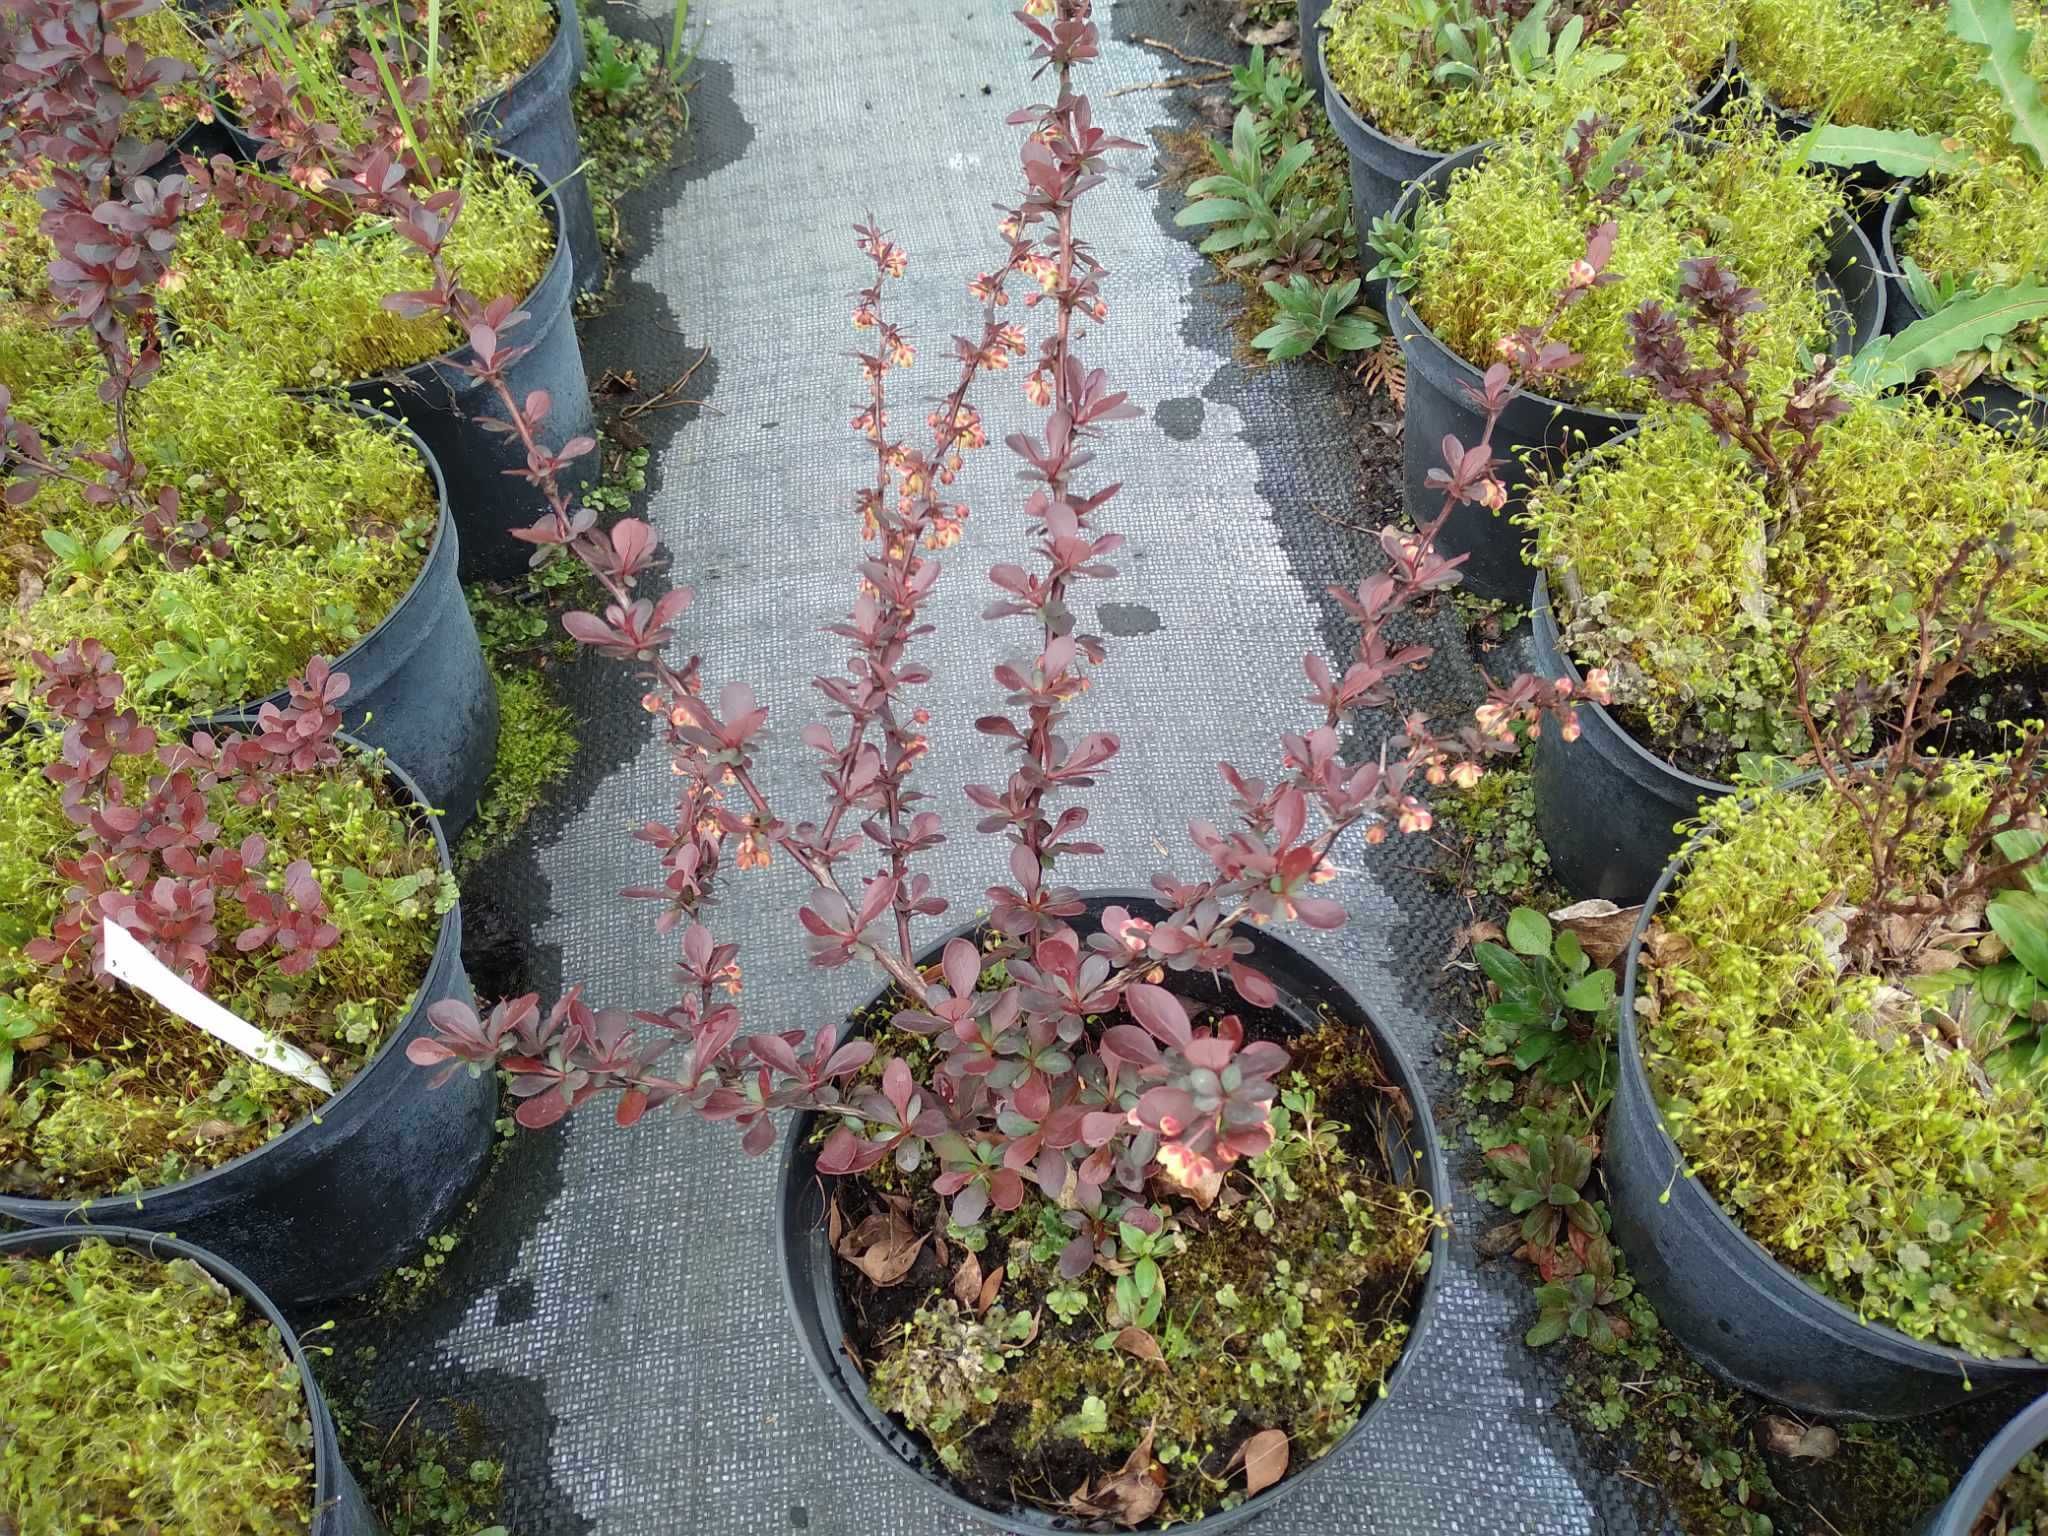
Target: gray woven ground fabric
{"type": "Point", "coordinates": [614, 1311]}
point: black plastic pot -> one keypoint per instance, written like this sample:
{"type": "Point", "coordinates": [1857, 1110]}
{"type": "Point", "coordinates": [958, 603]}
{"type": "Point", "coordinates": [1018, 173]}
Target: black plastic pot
{"type": "Point", "coordinates": [448, 408]}
{"type": "Point", "coordinates": [1536, 431]}
{"type": "Point", "coordinates": [1958, 1516]}
{"type": "Point", "coordinates": [811, 1290]}
{"type": "Point", "coordinates": [534, 118]}
{"type": "Point", "coordinates": [1988, 401]}
{"type": "Point", "coordinates": [1608, 809]}
{"type": "Point", "coordinates": [203, 140]}
{"type": "Point", "coordinates": [352, 1190]}
{"type": "Point", "coordinates": [1745, 1315]}
{"type": "Point", "coordinates": [339, 1508]}
{"type": "Point", "coordinates": [419, 686]}
{"type": "Point", "coordinates": [1308, 16]}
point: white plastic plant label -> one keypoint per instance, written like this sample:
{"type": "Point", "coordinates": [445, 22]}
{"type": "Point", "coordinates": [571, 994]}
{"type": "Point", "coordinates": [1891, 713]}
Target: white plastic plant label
{"type": "Point", "coordinates": [128, 960]}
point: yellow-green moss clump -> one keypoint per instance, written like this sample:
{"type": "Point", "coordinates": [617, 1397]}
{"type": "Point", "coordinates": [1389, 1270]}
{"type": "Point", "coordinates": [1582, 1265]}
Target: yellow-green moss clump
{"type": "Point", "coordinates": [1383, 61]}
{"type": "Point", "coordinates": [1492, 254]}
{"type": "Point", "coordinates": [111, 1093]}
{"type": "Point", "coordinates": [142, 1395]}
{"type": "Point", "coordinates": [1656, 549]}
{"type": "Point", "coordinates": [317, 317]}
{"type": "Point", "coordinates": [1885, 1169]}
{"type": "Point", "coordinates": [1888, 64]}
{"type": "Point", "coordinates": [327, 516]}
{"type": "Point", "coordinates": [1285, 1308]}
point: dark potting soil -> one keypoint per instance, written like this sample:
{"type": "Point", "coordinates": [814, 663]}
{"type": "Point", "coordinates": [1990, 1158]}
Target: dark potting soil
{"type": "Point", "coordinates": [1983, 711]}
{"type": "Point", "coordinates": [1350, 1088]}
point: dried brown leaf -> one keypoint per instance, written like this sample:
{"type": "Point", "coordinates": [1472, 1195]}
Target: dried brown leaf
{"type": "Point", "coordinates": [1501, 1239]}
{"type": "Point", "coordinates": [1130, 1498]}
{"type": "Point", "coordinates": [1805, 1442]}
{"type": "Point", "coordinates": [884, 1247]}
{"type": "Point", "coordinates": [1603, 929]}
{"type": "Point", "coordinates": [1265, 1460]}
{"type": "Point", "coordinates": [989, 1289]}
{"type": "Point", "coordinates": [835, 1225]}
{"type": "Point", "coordinates": [1136, 1341]}
{"type": "Point", "coordinates": [967, 1281]}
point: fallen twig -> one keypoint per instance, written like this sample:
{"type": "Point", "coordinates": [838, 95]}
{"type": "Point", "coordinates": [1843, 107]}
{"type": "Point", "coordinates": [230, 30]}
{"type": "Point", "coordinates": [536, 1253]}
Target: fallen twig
{"type": "Point", "coordinates": [1173, 83]}
{"type": "Point", "coordinates": [670, 395]}
{"type": "Point", "coordinates": [1185, 58]}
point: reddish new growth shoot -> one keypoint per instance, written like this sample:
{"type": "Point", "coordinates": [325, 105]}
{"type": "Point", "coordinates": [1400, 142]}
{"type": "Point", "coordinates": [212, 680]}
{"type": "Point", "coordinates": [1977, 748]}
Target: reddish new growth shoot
{"type": "Point", "coordinates": [1082, 1071]}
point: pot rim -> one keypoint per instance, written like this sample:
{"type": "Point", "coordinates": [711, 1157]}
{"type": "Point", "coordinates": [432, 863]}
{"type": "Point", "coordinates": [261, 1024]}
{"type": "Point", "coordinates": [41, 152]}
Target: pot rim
{"type": "Point", "coordinates": [560, 39]}
{"type": "Point", "coordinates": [1887, 1340]}
{"type": "Point", "coordinates": [1431, 1176]}
{"type": "Point", "coordinates": [1544, 620]}
{"type": "Point", "coordinates": [61, 1213]}
{"type": "Point", "coordinates": [415, 374]}
{"type": "Point", "coordinates": [2027, 1432]}
{"type": "Point", "coordinates": [1710, 89]}
{"type": "Point", "coordinates": [161, 1246]}
{"type": "Point", "coordinates": [444, 537]}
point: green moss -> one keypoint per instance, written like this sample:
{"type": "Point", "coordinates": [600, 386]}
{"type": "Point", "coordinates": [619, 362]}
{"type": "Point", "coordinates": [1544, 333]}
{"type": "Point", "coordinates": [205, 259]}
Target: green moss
{"type": "Point", "coordinates": [328, 518]}
{"type": "Point", "coordinates": [1494, 252]}
{"type": "Point", "coordinates": [1889, 1174]}
{"type": "Point", "coordinates": [537, 745]}
{"type": "Point", "coordinates": [1655, 545]}
{"type": "Point", "coordinates": [1381, 61]}
{"type": "Point", "coordinates": [123, 1096]}
{"type": "Point", "coordinates": [1285, 1308]}
{"type": "Point", "coordinates": [1877, 63]}
{"type": "Point", "coordinates": [141, 1395]}
{"type": "Point", "coordinates": [318, 317]}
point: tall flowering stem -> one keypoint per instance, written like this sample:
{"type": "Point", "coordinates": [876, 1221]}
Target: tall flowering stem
{"type": "Point", "coordinates": [1080, 1073]}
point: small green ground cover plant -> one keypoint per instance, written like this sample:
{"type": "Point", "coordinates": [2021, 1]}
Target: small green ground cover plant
{"type": "Point", "coordinates": [1276, 203]}
{"type": "Point", "coordinates": [465, 51]}
{"type": "Point", "coordinates": [1475, 263]}
{"type": "Point", "coordinates": [313, 311]}
{"type": "Point", "coordinates": [277, 873]}
{"type": "Point", "coordinates": [323, 520]}
{"type": "Point", "coordinates": [142, 1394]}
{"type": "Point", "coordinates": [1894, 1168]}
{"type": "Point", "coordinates": [1674, 570]}
{"type": "Point", "coordinates": [1442, 74]}
{"type": "Point", "coordinates": [632, 108]}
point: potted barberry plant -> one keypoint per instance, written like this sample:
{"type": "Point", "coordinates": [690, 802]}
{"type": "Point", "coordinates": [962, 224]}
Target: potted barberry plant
{"type": "Point", "coordinates": [507, 71]}
{"type": "Point", "coordinates": [293, 879]}
{"type": "Point", "coordinates": [1472, 243]}
{"type": "Point", "coordinates": [298, 261]}
{"type": "Point", "coordinates": [1824, 1160]}
{"type": "Point", "coordinates": [1079, 1146]}
{"type": "Point", "coordinates": [1682, 564]}
{"type": "Point", "coordinates": [172, 501]}
{"type": "Point", "coordinates": [152, 1385]}
{"type": "Point", "coordinates": [1408, 83]}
